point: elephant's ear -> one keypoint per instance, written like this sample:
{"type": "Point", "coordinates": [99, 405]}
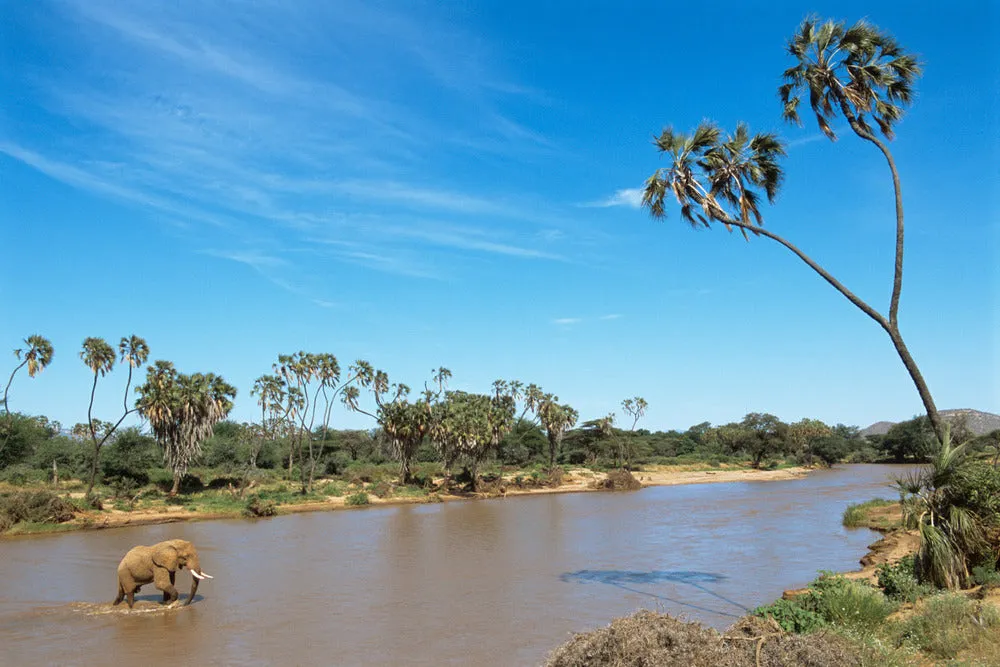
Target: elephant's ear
{"type": "Point", "coordinates": [166, 556]}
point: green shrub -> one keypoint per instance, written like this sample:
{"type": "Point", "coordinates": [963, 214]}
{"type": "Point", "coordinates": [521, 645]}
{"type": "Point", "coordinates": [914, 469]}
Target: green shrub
{"type": "Point", "coordinates": [127, 459]}
{"type": "Point", "coordinates": [857, 515]}
{"type": "Point", "coordinates": [899, 581]}
{"type": "Point", "coordinates": [357, 499]}
{"type": "Point", "coordinates": [977, 487]}
{"type": "Point", "coordinates": [791, 616]}
{"type": "Point", "coordinates": [366, 473]}
{"type": "Point", "coordinates": [382, 489]}
{"type": "Point", "coordinates": [850, 603]}
{"type": "Point", "coordinates": [21, 474]}
{"type": "Point", "coordinates": [258, 507]}
{"type": "Point", "coordinates": [949, 623]}
{"type": "Point", "coordinates": [335, 488]}
{"type": "Point", "coordinates": [987, 576]}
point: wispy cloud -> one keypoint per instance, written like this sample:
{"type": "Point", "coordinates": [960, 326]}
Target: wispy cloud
{"type": "Point", "coordinates": [565, 321]}
{"type": "Point", "coordinates": [288, 121]}
{"type": "Point", "coordinates": [629, 197]}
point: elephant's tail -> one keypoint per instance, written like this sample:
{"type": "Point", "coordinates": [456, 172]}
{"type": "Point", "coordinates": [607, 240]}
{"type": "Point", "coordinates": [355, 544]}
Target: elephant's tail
{"type": "Point", "coordinates": [121, 594]}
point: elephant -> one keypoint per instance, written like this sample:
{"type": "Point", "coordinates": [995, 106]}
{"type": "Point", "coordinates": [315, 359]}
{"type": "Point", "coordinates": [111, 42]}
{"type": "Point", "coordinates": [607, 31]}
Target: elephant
{"type": "Point", "coordinates": [157, 565]}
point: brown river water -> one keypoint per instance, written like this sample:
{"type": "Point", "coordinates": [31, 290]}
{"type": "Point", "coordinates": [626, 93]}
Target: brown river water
{"type": "Point", "coordinates": [483, 583]}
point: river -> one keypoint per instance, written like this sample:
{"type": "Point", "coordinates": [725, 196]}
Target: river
{"type": "Point", "coordinates": [488, 583]}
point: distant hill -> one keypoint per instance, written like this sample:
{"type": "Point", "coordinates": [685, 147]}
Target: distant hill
{"type": "Point", "coordinates": [978, 422]}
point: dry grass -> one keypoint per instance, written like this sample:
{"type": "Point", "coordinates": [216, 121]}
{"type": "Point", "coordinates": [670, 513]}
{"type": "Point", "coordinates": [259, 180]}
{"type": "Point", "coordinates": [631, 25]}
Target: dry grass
{"type": "Point", "coordinates": [650, 639]}
{"type": "Point", "coordinates": [618, 480]}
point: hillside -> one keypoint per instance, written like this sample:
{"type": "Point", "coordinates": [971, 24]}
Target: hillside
{"type": "Point", "coordinates": [978, 422]}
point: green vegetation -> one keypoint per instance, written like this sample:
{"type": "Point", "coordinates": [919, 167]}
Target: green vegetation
{"type": "Point", "coordinates": [858, 515]}
{"type": "Point", "coordinates": [357, 499]}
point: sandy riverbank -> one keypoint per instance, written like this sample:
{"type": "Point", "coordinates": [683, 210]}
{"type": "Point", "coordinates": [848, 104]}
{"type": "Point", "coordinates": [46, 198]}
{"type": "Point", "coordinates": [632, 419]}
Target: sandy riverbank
{"type": "Point", "coordinates": [574, 481]}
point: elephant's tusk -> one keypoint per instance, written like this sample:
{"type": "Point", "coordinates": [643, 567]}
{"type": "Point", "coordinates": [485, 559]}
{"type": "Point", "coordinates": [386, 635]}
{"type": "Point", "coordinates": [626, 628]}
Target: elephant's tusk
{"type": "Point", "coordinates": [201, 575]}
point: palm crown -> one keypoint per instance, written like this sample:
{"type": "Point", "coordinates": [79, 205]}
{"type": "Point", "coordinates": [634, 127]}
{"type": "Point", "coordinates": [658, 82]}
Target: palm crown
{"type": "Point", "coordinates": [715, 177]}
{"type": "Point", "coordinates": [860, 71]}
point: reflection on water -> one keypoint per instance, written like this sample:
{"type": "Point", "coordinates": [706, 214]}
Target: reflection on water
{"type": "Point", "coordinates": [628, 581]}
{"type": "Point", "coordinates": [498, 582]}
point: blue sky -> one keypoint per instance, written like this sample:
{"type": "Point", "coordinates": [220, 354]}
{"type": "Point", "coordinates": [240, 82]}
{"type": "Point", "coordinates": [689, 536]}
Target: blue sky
{"type": "Point", "coordinates": [427, 184]}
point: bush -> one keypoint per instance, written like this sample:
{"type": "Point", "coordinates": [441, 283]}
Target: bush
{"type": "Point", "coordinates": [850, 603]}
{"type": "Point", "coordinates": [791, 616]}
{"type": "Point", "coordinates": [977, 487]}
{"type": "Point", "coordinates": [899, 581]}
{"type": "Point", "coordinates": [382, 489]}
{"type": "Point", "coordinates": [35, 507]}
{"type": "Point", "coordinates": [619, 480]}
{"type": "Point", "coordinates": [949, 623]}
{"type": "Point", "coordinates": [21, 474]}
{"type": "Point", "coordinates": [986, 576]}
{"type": "Point", "coordinates": [357, 499]}
{"type": "Point", "coordinates": [126, 460]}
{"type": "Point", "coordinates": [257, 507]}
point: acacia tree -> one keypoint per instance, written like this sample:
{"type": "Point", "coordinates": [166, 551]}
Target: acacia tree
{"type": "Point", "coordinates": [99, 357]}
{"type": "Point", "coordinates": [636, 409]}
{"type": "Point", "coordinates": [182, 410]}
{"type": "Point", "coordinates": [803, 433]}
{"type": "Point", "coordinates": [556, 419]}
{"type": "Point", "coordinates": [36, 356]}
{"type": "Point", "coordinates": [858, 72]}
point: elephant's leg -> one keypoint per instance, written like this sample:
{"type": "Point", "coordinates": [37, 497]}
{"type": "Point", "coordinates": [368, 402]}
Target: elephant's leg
{"type": "Point", "coordinates": [164, 580]}
{"type": "Point", "coordinates": [166, 596]}
{"type": "Point", "coordinates": [130, 596]}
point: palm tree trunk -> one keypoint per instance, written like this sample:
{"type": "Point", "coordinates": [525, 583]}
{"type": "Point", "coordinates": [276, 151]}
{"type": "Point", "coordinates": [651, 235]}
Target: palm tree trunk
{"type": "Point", "coordinates": [175, 489]}
{"type": "Point", "coordinates": [890, 327]}
{"type": "Point", "coordinates": [918, 379]}
{"type": "Point", "coordinates": [93, 437]}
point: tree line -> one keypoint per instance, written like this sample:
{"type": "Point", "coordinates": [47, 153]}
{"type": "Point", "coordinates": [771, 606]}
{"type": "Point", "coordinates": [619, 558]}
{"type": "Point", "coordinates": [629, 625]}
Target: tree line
{"type": "Point", "coordinates": [512, 424]}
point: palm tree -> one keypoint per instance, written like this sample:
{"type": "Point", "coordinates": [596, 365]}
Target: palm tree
{"type": "Point", "coordinates": [556, 419]}
{"type": "Point", "coordinates": [950, 534]}
{"type": "Point", "coordinates": [36, 356]}
{"type": "Point", "coordinates": [858, 71]}
{"type": "Point", "coordinates": [182, 411]}
{"type": "Point", "coordinates": [100, 359]}
{"type": "Point", "coordinates": [862, 73]}
{"type": "Point", "coordinates": [99, 356]}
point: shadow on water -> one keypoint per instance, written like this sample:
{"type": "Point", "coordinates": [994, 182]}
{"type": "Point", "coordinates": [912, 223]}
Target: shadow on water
{"type": "Point", "coordinates": [627, 579]}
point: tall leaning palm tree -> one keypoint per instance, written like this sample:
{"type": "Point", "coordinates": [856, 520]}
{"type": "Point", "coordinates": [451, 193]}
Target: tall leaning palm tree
{"type": "Point", "coordinates": [859, 72]}
{"type": "Point", "coordinates": [862, 73]}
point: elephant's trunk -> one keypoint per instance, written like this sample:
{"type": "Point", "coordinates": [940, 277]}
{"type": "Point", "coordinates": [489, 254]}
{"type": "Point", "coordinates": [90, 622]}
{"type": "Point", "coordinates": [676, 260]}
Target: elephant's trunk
{"type": "Point", "coordinates": [196, 576]}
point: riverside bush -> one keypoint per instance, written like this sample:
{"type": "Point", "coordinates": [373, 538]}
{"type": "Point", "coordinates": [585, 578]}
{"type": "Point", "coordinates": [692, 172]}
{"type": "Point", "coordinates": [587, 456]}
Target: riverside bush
{"type": "Point", "coordinates": [899, 581]}
{"type": "Point", "coordinates": [949, 623]}
{"type": "Point", "coordinates": [258, 507]}
{"type": "Point", "coordinates": [791, 616]}
{"type": "Point", "coordinates": [35, 507]}
{"type": "Point", "coordinates": [357, 499]}
{"type": "Point", "coordinates": [850, 603]}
